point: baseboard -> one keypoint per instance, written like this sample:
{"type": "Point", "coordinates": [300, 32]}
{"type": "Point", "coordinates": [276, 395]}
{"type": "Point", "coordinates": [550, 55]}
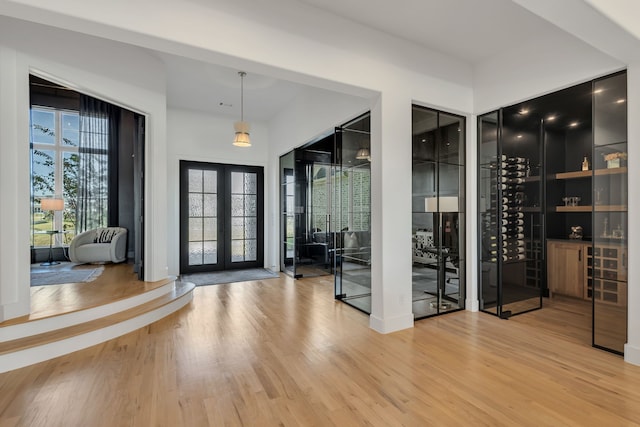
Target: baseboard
{"type": "Point", "coordinates": [632, 354]}
{"type": "Point", "coordinates": [472, 305]}
{"type": "Point", "coordinates": [391, 324]}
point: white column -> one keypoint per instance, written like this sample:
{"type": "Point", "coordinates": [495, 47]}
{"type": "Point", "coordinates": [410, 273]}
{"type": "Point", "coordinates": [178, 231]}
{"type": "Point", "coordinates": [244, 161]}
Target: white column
{"type": "Point", "coordinates": [14, 186]}
{"type": "Point", "coordinates": [471, 215]}
{"type": "Point", "coordinates": [391, 213]}
{"type": "Point", "coordinates": [632, 347]}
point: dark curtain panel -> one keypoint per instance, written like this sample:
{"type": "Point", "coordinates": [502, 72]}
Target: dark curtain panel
{"type": "Point", "coordinates": [97, 169]}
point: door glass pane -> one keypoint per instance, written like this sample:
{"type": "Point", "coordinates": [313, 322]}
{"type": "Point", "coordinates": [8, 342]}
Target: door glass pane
{"type": "Point", "coordinates": [608, 260]}
{"type": "Point", "coordinates": [250, 183]}
{"type": "Point", "coordinates": [437, 212]}
{"type": "Point", "coordinates": [210, 255]}
{"type": "Point", "coordinates": [244, 211]}
{"type": "Point", "coordinates": [251, 228]}
{"type": "Point", "coordinates": [195, 181]}
{"type": "Point", "coordinates": [251, 249]}
{"type": "Point", "coordinates": [195, 229]}
{"type": "Point", "coordinates": [237, 183]}
{"type": "Point", "coordinates": [351, 196]}
{"type": "Point", "coordinates": [195, 204]}
{"type": "Point", "coordinates": [237, 228]}
{"type": "Point", "coordinates": [519, 204]}
{"type": "Point", "coordinates": [237, 205]}
{"type": "Point", "coordinates": [202, 213]}
{"type": "Point", "coordinates": [195, 253]}
{"type": "Point", "coordinates": [210, 230]}
{"type": "Point", "coordinates": [210, 205]}
{"type": "Point", "coordinates": [287, 214]}
{"type": "Point", "coordinates": [237, 250]}
{"type": "Point", "coordinates": [210, 183]}
{"type": "Point", "coordinates": [487, 211]}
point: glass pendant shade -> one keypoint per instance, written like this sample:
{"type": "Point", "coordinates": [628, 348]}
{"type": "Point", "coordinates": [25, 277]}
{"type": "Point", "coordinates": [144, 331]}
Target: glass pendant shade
{"type": "Point", "coordinates": [242, 135]}
{"type": "Point", "coordinates": [363, 154]}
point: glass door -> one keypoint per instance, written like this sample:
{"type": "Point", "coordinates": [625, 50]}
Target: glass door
{"type": "Point", "coordinates": [437, 212]}
{"type": "Point", "coordinates": [352, 213]}
{"type": "Point", "coordinates": [607, 260]}
{"type": "Point", "coordinates": [510, 213]}
{"type": "Point", "coordinates": [221, 217]}
{"type": "Point", "coordinates": [287, 214]}
{"type": "Point", "coordinates": [312, 205]}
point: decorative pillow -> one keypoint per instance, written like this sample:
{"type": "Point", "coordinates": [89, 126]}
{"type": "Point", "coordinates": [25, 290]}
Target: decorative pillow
{"type": "Point", "coordinates": [351, 240]}
{"type": "Point", "coordinates": [105, 235]}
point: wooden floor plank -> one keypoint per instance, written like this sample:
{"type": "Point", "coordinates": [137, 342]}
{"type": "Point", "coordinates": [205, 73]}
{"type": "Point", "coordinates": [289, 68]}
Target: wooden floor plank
{"type": "Point", "coordinates": [283, 352]}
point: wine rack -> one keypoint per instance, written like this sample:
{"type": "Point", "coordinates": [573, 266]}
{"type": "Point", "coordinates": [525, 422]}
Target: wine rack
{"type": "Point", "coordinates": [512, 178]}
{"type": "Point", "coordinates": [607, 274]}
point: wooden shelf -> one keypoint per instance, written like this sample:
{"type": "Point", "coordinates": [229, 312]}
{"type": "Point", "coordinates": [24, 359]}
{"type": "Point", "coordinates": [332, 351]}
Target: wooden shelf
{"type": "Point", "coordinates": [573, 208]}
{"type": "Point", "coordinates": [611, 208]}
{"type": "Point", "coordinates": [599, 208]}
{"type": "Point", "coordinates": [587, 174]}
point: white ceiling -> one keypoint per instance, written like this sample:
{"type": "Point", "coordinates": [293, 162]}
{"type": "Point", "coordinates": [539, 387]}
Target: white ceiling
{"type": "Point", "coordinates": [200, 86]}
{"type": "Point", "coordinates": [469, 30]}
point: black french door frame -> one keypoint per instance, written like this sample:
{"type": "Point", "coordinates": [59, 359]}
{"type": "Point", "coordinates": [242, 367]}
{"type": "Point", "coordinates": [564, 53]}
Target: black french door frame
{"type": "Point", "coordinates": [223, 215]}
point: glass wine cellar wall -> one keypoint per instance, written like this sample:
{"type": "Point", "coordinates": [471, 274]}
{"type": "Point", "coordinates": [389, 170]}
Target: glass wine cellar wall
{"type": "Point", "coordinates": [552, 206]}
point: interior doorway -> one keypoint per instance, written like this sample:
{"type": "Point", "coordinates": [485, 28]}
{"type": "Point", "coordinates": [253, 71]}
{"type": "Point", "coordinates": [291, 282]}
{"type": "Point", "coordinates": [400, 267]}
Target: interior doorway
{"type": "Point", "coordinates": [221, 217]}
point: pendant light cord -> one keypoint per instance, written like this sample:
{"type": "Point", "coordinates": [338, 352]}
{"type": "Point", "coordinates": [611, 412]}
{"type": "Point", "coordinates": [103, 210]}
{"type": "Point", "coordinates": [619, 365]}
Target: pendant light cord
{"type": "Point", "coordinates": [242, 74]}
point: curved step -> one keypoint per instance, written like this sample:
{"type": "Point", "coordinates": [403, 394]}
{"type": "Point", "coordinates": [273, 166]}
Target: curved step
{"type": "Point", "coordinates": [34, 348]}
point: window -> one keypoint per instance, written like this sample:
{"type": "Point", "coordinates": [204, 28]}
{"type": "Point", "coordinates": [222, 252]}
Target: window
{"type": "Point", "coordinates": [54, 171]}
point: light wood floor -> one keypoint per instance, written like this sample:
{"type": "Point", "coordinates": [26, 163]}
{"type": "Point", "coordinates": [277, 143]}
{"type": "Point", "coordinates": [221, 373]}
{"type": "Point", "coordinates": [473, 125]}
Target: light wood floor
{"type": "Point", "coordinates": [281, 352]}
{"type": "Point", "coordinates": [115, 282]}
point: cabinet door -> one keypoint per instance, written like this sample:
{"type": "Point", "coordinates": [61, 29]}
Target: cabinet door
{"type": "Point", "coordinates": [565, 268]}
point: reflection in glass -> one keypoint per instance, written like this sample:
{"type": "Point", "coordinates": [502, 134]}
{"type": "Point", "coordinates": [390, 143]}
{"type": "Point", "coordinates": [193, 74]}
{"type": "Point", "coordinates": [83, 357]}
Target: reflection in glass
{"type": "Point", "coordinates": [437, 212]}
{"type": "Point", "coordinates": [608, 258]}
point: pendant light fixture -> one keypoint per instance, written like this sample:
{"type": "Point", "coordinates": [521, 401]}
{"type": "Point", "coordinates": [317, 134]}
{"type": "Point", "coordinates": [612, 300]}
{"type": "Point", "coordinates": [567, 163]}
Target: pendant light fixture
{"type": "Point", "coordinates": [363, 154]}
{"type": "Point", "coordinates": [242, 128]}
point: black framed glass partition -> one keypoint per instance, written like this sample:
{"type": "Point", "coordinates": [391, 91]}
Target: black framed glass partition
{"type": "Point", "coordinates": [510, 215]}
{"type": "Point", "coordinates": [608, 260]}
{"type": "Point", "coordinates": [553, 206]}
{"type": "Point", "coordinates": [306, 181]}
{"type": "Point", "coordinates": [352, 213]}
{"type": "Point", "coordinates": [325, 211]}
{"type": "Point", "coordinates": [438, 216]}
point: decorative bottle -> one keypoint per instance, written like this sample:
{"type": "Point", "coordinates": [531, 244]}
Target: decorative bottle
{"type": "Point", "coordinates": [585, 164]}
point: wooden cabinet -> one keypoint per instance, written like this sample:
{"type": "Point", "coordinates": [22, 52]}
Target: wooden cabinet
{"type": "Point", "coordinates": [566, 267]}
{"type": "Point", "coordinates": [607, 274]}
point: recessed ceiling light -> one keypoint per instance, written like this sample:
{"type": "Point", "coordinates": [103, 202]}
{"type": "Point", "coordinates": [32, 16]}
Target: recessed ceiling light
{"type": "Point", "coordinates": [597, 91]}
{"type": "Point", "coordinates": [551, 118]}
{"type": "Point", "coordinates": [518, 136]}
{"type": "Point", "coordinates": [524, 111]}
{"type": "Point", "coordinates": [573, 124]}
{"type": "Point", "coordinates": [620, 101]}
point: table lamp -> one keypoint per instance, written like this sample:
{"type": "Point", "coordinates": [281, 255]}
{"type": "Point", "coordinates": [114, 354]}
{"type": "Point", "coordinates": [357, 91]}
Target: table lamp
{"type": "Point", "coordinates": [52, 204]}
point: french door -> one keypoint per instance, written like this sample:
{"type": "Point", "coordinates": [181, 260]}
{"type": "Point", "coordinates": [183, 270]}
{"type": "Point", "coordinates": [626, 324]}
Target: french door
{"type": "Point", "coordinates": [221, 217]}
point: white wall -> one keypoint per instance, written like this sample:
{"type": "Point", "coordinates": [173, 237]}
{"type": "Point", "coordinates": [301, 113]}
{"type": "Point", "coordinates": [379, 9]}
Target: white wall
{"type": "Point", "coordinates": [201, 137]}
{"type": "Point", "coordinates": [312, 114]}
{"type": "Point", "coordinates": [121, 74]}
{"type": "Point", "coordinates": [541, 66]}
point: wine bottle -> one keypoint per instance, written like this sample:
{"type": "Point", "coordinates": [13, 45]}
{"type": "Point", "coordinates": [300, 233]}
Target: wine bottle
{"type": "Point", "coordinates": [518, 257]}
{"type": "Point", "coordinates": [512, 215]}
{"type": "Point", "coordinates": [513, 251]}
{"type": "Point", "coordinates": [514, 236]}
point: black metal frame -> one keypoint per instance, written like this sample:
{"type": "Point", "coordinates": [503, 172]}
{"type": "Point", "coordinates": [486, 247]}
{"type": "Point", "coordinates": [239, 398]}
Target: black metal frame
{"type": "Point", "coordinates": [223, 214]}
